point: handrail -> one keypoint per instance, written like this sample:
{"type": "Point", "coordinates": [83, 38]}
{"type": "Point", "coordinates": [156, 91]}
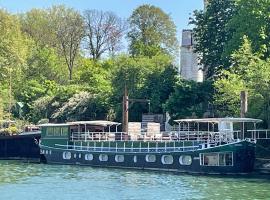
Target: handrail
{"type": "Point", "coordinates": [260, 134]}
{"type": "Point", "coordinates": [125, 149]}
{"type": "Point", "coordinates": [222, 136]}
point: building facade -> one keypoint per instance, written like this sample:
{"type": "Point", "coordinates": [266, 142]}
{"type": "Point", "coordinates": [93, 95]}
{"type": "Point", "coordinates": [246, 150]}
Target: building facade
{"type": "Point", "coordinates": [190, 69]}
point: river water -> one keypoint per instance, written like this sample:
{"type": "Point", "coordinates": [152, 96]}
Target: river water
{"type": "Point", "coordinates": [24, 181]}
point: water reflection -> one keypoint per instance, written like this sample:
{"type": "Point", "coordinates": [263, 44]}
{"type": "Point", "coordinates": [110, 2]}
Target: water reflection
{"type": "Point", "coordinates": [75, 182]}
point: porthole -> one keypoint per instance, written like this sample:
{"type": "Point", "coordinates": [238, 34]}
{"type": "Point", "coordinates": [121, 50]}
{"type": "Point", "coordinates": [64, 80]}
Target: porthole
{"type": "Point", "coordinates": [74, 155]}
{"type": "Point", "coordinates": [103, 157]}
{"type": "Point", "coordinates": [167, 159]}
{"type": "Point", "coordinates": [119, 158]}
{"type": "Point", "coordinates": [66, 155]}
{"type": "Point", "coordinates": [50, 152]}
{"type": "Point", "coordinates": [135, 159]}
{"type": "Point", "coordinates": [80, 155]}
{"type": "Point", "coordinates": [88, 157]}
{"type": "Point", "coordinates": [47, 152]}
{"type": "Point", "coordinates": [150, 158]}
{"type": "Point", "coordinates": [185, 160]}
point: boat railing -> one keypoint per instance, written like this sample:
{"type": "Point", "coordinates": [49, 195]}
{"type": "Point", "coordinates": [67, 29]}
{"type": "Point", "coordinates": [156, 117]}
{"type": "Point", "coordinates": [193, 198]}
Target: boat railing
{"type": "Point", "coordinates": [205, 136]}
{"type": "Point", "coordinates": [259, 134]}
{"type": "Point", "coordinates": [82, 147]}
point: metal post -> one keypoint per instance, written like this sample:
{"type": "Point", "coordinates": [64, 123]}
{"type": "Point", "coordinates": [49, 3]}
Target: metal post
{"type": "Point", "coordinates": [125, 111]}
{"type": "Point", "coordinates": [244, 103]}
{"type": "Point", "coordinates": [188, 130]}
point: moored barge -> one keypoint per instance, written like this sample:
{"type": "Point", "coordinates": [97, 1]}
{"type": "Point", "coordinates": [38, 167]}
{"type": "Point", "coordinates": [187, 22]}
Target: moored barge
{"type": "Point", "coordinates": [208, 146]}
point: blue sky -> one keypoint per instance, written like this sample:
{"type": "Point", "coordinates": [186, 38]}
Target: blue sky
{"type": "Point", "coordinates": [179, 10]}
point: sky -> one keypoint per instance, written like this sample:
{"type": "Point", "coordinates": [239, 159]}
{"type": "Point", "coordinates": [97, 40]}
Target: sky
{"type": "Point", "coordinates": [179, 10]}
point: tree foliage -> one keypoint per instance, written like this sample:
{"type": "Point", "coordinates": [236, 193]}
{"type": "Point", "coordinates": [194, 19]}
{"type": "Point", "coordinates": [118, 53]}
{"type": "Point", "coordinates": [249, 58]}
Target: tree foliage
{"type": "Point", "coordinates": [103, 32]}
{"type": "Point", "coordinates": [250, 73]}
{"type": "Point", "coordinates": [69, 31]}
{"type": "Point", "coordinates": [252, 20]}
{"type": "Point", "coordinates": [212, 34]}
{"type": "Point", "coordinates": [190, 99]}
{"type": "Point", "coordinates": [151, 32]}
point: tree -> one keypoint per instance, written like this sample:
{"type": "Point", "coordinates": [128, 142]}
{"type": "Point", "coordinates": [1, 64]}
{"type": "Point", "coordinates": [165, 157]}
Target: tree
{"type": "Point", "coordinates": [189, 98]}
{"type": "Point", "coordinates": [158, 87]}
{"type": "Point", "coordinates": [151, 32]}
{"type": "Point", "coordinates": [44, 64]}
{"type": "Point", "coordinates": [103, 32]}
{"type": "Point", "coordinates": [140, 76]}
{"type": "Point", "coordinates": [212, 34]}
{"type": "Point", "coordinates": [249, 73]}
{"type": "Point", "coordinates": [252, 20]}
{"type": "Point", "coordinates": [37, 24]}
{"type": "Point", "coordinates": [68, 27]}
{"type": "Point", "coordinates": [83, 106]}
{"type": "Point", "coordinates": [13, 53]}
{"type": "Point", "coordinates": [93, 75]}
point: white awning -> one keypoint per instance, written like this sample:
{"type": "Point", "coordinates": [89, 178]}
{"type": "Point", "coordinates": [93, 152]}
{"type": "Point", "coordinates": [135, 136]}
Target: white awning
{"type": "Point", "coordinates": [94, 123]}
{"type": "Point", "coordinates": [217, 120]}
{"type": "Point", "coordinates": [52, 125]}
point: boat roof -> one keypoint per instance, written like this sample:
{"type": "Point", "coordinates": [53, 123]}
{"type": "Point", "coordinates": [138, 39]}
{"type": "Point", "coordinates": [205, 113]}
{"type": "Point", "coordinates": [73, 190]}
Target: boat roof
{"type": "Point", "coordinates": [94, 123]}
{"type": "Point", "coordinates": [217, 120]}
{"type": "Point", "coordinates": [52, 124]}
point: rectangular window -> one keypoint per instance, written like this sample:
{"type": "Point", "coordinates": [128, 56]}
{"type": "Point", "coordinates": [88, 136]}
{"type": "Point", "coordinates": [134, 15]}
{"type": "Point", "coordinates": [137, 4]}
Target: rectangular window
{"type": "Point", "coordinates": [64, 131]}
{"type": "Point", "coordinates": [49, 131]}
{"type": "Point", "coordinates": [216, 159]}
{"type": "Point", "coordinates": [57, 131]}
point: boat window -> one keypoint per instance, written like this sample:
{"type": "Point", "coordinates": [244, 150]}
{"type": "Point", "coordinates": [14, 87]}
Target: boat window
{"type": "Point", "coordinates": [135, 159]}
{"type": "Point", "coordinates": [57, 131]}
{"type": "Point", "coordinates": [119, 158]}
{"type": "Point", "coordinates": [103, 157]}
{"type": "Point", "coordinates": [66, 155]}
{"type": "Point", "coordinates": [88, 157]}
{"type": "Point", "coordinates": [49, 131]}
{"type": "Point", "coordinates": [167, 159]}
{"type": "Point", "coordinates": [64, 131]}
{"type": "Point", "coordinates": [216, 159]}
{"type": "Point", "coordinates": [150, 158]}
{"type": "Point", "coordinates": [185, 160]}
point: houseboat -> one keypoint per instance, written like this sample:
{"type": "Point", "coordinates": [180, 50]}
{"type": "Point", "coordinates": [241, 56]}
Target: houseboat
{"type": "Point", "coordinates": [205, 146]}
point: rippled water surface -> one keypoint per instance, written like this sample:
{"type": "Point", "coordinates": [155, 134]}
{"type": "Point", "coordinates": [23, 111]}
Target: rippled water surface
{"type": "Point", "coordinates": [56, 182]}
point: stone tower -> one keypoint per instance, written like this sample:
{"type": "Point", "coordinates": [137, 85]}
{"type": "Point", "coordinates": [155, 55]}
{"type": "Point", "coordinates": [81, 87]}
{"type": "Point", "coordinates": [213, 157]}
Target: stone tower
{"type": "Point", "coordinates": [189, 60]}
{"type": "Point", "coordinates": [190, 68]}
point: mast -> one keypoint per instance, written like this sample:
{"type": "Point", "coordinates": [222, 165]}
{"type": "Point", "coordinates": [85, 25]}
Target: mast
{"type": "Point", "coordinates": [125, 111]}
{"type": "Point", "coordinates": [10, 88]}
{"type": "Point", "coordinates": [244, 103]}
